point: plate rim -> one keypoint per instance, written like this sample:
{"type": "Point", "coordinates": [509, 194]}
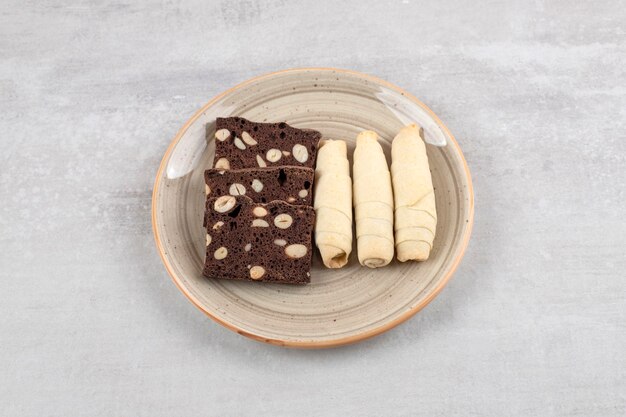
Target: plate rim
{"type": "Point", "coordinates": [324, 343]}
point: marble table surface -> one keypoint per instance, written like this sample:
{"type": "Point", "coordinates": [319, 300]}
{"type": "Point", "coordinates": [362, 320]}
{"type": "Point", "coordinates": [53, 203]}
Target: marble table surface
{"type": "Point", "coordinates": [534, 321]}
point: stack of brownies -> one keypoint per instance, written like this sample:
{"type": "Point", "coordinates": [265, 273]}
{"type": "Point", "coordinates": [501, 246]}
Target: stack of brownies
{"type": "Point", "coordinates": [259, 215]}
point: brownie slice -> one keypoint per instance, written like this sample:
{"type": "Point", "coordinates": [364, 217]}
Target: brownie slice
{"type": "Point", "coordinates": [258, 242]}
{"type": "Point", "coordinates": [240, 143]}
{"type": "Point", "coordinates": [290, 184]}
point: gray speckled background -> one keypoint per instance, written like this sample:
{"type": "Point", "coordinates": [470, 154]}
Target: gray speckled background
{"type": "Point", "coordinates": [534, 322]}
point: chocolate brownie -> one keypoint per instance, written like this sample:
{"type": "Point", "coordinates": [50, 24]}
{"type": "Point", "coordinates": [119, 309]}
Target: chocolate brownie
{"type": "Point", "coordinates": [240, 143]}
{"type": "Point", "coordinates": [290, 184]}
{"type": "Point", "coordinates": [258, 242]}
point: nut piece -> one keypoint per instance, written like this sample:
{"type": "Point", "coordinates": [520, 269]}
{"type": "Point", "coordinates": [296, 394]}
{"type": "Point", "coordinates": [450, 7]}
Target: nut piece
{"type": "Point", "coordinates": [286, 153]}
{"type": "Point", "coordinates": [222, 135]}
{"type": "Point", "coordinates": [247, 247]}
{"type": "Point", "coordinates": [283, 221]}
{"type": "Point", "coordinates": [259, 211]}
{"type": "Point", "coordinates": [257, 185]}
{"type": "Point", "coordinates": [224, 203]}
{"type": "Point", "coordinates": [208, 239]}
{"type": "Point", "coordinates": [239, 144]}
{"type": "Point", "coordinates": [260, 223]}
{"type": "Point", "coordinates": [296, 251]}
{"type": "Point", "coordinates": [256, 272]}
{"type": "Point", "coordinates": [237, 189]}
{"type": "Point", "coordinates": [280, 242]}
{"type": "Point", "coordinates": [207, 189]}
{"type": "Point", "coordinates": [300, 153]}
{"type": "Point", "coordinates": [248, 139]}
{"type": "Point", "coordinates": [218, 225]}
{"type": "Point", "coordinates": [273, 155]}
{"type": "Point", "coordinates": [222, 163]}
{"type": "Point", "coordinates": [260, 161]}
{"type": "Point", "coordinates": [291, 199]}
{"type": "Point", "coordinates": [220, 253]}
{"type": "Point", "coordinates": [303, 193]}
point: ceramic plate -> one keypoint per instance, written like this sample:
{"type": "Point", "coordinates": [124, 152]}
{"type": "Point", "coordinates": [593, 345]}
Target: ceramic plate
{"type": "Point", "coordinates": [340, 306]}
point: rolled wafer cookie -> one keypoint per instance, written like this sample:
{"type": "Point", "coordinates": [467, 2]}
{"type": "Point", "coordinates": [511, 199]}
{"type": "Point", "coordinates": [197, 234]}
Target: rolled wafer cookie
{"type": "Point", "coordinates": [415, 211]}
{"type": "Point", "coordinates": [373, 202]}
{"type": "Point", "coordinates": [333, 203]}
